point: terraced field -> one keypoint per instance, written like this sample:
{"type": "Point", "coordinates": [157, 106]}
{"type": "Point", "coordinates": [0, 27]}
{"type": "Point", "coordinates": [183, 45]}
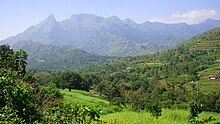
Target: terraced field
{"type": "Point", "coordinates": [210, 85]}
{"type": "Point", "coordinates": [206, 45]}
{"type": "Point", "coordinates": [207, 41]}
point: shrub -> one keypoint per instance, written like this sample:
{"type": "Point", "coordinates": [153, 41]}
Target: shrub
{"type": "Point", "coordinates": [66, 113]}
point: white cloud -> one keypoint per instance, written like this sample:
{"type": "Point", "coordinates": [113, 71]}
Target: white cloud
{"type": "Point", "coordinates": [191, 17]}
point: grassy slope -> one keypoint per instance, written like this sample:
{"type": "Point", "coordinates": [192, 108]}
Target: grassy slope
{"type": "Point", "coordinates": [168, 117]}
{"type": "Point", "coordinates": [129, 117]}
{"type": "Point", "coordinates": [83, 97]}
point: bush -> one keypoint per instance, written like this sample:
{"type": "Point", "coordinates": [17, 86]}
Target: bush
{"type": "Point", "coordinates": [8, 115]}
{"type": "Point", "coordinates": [154, 107]}
{"type": "Point", "coordinates": [66, 113]}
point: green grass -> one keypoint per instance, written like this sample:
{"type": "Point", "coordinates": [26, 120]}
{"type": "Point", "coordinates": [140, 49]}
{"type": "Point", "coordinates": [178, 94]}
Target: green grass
{"type": "Point", "coordinates": [168, 117]}
{"type": "Point", "coordinates": [129, 117]}
{"type": "Point", "coordinates": [83, 97]}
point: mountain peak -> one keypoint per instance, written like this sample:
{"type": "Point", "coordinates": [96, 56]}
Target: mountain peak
{"type": "Point", "coordinates": [129, 21]}
{"type": "Point", "coordinates": [49, 19]}
{"type": "Point", "coordinates": [86, 18]}
{"type": "Point", "coordinates": [83, 15]}
{"type": "Point", "coordinates": [208, 20]}
{"type": "Point", "coordinates": [114, 18]}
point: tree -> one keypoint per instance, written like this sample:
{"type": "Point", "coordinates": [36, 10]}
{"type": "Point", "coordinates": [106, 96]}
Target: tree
{"type": "Point", "coordinates": [17, 103]}
{"type": "Point", "coordinates": [137, 99]}
{"type": "Point", "coordinates": [12, 62]}
{"type": "Point", "coordinates": [43, 78]}
{"type": "Point", "coordinates": [73, 80]}
{"type": "Point", "coordinates": [92, 79]}
{"type": "Point", "coordinates": [154, 107]}
{"type": "Point", "coordinates": [108, 89]}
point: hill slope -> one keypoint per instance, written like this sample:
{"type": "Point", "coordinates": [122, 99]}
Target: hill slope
{"type": "Point", "coordinates": [194, 60]}
{"type": "Point", "coordinates": [54, 57]}
{"type": "Point", "coordinates": [111, 36]}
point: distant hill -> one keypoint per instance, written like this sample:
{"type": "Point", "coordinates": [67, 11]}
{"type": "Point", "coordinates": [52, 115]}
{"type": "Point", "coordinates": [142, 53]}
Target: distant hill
{"type": "Point", "coordinates": [44, 56]}
{"type": "Point", "coordinates": [111, 36]}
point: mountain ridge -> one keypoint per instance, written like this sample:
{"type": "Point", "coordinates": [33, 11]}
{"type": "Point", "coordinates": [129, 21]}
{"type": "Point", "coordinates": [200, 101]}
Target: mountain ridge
{"type": "Point", "coordinates": [111, 36]}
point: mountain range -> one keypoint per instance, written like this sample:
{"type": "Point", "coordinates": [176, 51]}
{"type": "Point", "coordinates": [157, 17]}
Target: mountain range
{"type": "Point", "coordinates": [110, 36]}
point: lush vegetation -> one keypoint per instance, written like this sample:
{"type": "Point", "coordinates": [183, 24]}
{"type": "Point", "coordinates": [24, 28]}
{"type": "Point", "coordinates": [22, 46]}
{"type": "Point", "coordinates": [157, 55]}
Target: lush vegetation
{"type": "Point", "coordinates": [162, 85]}
{"type": "Point", "coordinates": [176, 76]}
{"type": "Point", "coordinates": [169, 116]}
{"type": "Point", "coordinates": [91, 99]}
{"type": "Point", "coordinates": [22, 100]}
{"type": "Point", "coordinates": [84, 98]}
{"type": "Point", "coordinates": [113, 114]}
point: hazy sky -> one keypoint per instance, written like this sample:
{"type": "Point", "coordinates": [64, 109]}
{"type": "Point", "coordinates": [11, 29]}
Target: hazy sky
{"type": "Point", "coordinates": [18, 15]}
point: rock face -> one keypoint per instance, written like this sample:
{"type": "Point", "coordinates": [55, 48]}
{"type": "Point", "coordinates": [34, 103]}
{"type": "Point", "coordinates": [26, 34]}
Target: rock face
{"type": "Point", "coordinates": [111, 36]}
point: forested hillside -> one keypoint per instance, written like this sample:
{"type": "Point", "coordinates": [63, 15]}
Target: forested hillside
{"type": "Point", "coordinates": [172, 76]}
{"type": "Point", "coordinates": [177, 78]}
{"type": "Point", "coordinates": [190, 58]}
{"type": "Point", "coordinates": [43, 56]}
